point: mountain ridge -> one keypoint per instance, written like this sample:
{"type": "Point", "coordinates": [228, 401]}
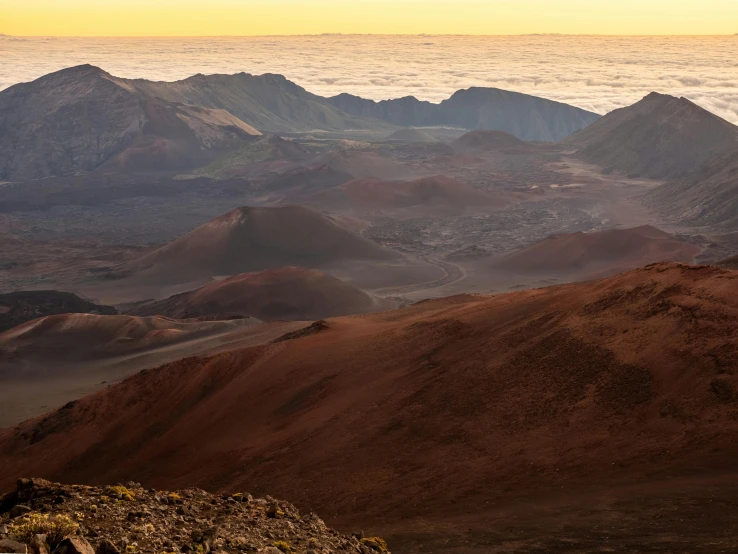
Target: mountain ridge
{"type": "Point", "coordinates": [79, 118]}
{"type": "Point", "coordinates": [477, 108]}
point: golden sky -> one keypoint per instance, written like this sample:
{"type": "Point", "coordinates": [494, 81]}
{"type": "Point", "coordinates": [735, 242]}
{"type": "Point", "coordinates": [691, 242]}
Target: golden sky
{"type": "Point", "coordinates": [285, 17]}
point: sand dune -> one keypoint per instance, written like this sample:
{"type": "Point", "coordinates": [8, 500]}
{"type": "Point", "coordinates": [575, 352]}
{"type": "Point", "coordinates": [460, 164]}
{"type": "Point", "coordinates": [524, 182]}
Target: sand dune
{"type": "Point", "coordinates": [474, 402]}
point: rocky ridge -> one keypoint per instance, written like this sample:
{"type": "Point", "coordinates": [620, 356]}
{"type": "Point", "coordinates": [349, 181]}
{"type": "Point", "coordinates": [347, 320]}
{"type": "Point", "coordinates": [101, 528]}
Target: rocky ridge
{"type": "Point", "coordinates": [41, 517]}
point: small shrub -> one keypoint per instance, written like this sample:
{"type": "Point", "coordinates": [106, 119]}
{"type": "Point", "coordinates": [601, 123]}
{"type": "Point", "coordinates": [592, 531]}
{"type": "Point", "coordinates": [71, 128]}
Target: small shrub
{"type": "Point", "coordinates": [56, 529]}
{"type": "Point", "coordinates": [283, 546]}
{"type": "Point", "coordinates": [375, 543]}
{"type": "Point", "coordinates": [120, 492]}
{"type": "Point", "coordinates": [275, 512]}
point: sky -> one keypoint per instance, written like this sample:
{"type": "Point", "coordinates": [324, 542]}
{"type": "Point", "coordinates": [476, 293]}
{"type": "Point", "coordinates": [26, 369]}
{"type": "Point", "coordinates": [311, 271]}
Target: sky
{"type": "Point", "coordinates": [296, 17]}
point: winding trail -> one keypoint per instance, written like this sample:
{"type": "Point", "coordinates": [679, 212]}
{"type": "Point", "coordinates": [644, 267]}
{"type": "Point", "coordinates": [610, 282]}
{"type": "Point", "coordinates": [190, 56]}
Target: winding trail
{"type": "Point", "coordinates": [452, 272]}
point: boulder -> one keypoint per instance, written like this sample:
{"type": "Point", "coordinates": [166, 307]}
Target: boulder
{"type": "Point", "coordinates": [75, 545]}
{"type": "Point", "coordinates": [19, 510]}
{"type": "Point", "coordinates": [11, 546]}
{"type": "Point", "coordinates": [106, 547]}
{"type": "Point", "coordinates": [39, 545]}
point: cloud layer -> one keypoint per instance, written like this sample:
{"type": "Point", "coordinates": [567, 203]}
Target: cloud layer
{"type": "Point", "coordinates": [595, 73]}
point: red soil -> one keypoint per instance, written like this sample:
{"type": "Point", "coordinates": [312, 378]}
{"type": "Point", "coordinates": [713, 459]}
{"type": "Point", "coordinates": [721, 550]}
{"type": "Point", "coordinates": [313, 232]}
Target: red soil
{"type": "Point", "coordinates": [602, 250]}
{"type": "Point", "coordinates": [254, 239]}
{"type": "Point", "coordinates": [461, 405]}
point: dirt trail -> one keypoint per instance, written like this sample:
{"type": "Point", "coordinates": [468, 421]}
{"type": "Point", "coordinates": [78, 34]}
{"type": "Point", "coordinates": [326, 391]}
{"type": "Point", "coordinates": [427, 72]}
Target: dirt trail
{"type": "Point", "coordinates": [452, 273]}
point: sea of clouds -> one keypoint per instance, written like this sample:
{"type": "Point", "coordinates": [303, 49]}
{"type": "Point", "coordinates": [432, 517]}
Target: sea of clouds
{"type": "Point", "coordinates": [595, 73]}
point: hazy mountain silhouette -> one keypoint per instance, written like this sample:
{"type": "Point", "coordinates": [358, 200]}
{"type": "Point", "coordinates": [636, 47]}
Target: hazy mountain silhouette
{"type": "Point", "coordinates": [524, 116]}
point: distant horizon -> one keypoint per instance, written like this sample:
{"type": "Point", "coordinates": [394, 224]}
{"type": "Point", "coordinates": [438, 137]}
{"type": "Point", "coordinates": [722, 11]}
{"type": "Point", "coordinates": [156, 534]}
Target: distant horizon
{"type": "Point", "coordinates": [603, 35]}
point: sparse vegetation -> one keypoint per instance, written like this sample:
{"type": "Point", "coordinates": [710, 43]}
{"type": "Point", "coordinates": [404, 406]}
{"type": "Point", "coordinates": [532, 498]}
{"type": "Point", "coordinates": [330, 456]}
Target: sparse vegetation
{"type": "Point", "coordinates": [121, 493]}
{"type": "Point", "coordinates": [283, 546]}
{"type": "Point", "coordinates": [375, 543]}
{"type": "Point", "coordinates": [56, 528]}
{"type": "Point", "coordinates": [43, 515]}
{"type": "Point", "coordinates": [275, 512]}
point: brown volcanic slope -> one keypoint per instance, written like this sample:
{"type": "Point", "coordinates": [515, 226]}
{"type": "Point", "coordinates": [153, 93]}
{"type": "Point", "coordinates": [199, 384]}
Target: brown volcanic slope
{"type": "Point", "coordinates": [253, 239]}
{"type": "Point", "coordinates": [52, 360]}
{"type": "Point", "coordinates": [601, 250]}
{"type": "Point", "coordinates": [179, 136]}
{"type": "Point", "coordinates": [551, 419]}
{"type": "Point", "coordinates": [661, 137]}
{"type": "Point", "coordinates": [67, 339]}
{"type": "Point", "coordinates": [437, 193]}
{"type": "Point", "coordinates": [291, 293]}
{"type": "Point", "coordinates": [21, 306]}
{"type": "Point", "coordinates": [480, 141]}
{"type": "Point", "coordinates": [709, 197]}
{"type": "Point", "coordinates": [270, 153]}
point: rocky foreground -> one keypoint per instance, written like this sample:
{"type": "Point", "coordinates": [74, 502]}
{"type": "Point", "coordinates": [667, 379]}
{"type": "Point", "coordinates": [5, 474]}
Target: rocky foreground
{"type": "Point", "coordinates": [41, 517]}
